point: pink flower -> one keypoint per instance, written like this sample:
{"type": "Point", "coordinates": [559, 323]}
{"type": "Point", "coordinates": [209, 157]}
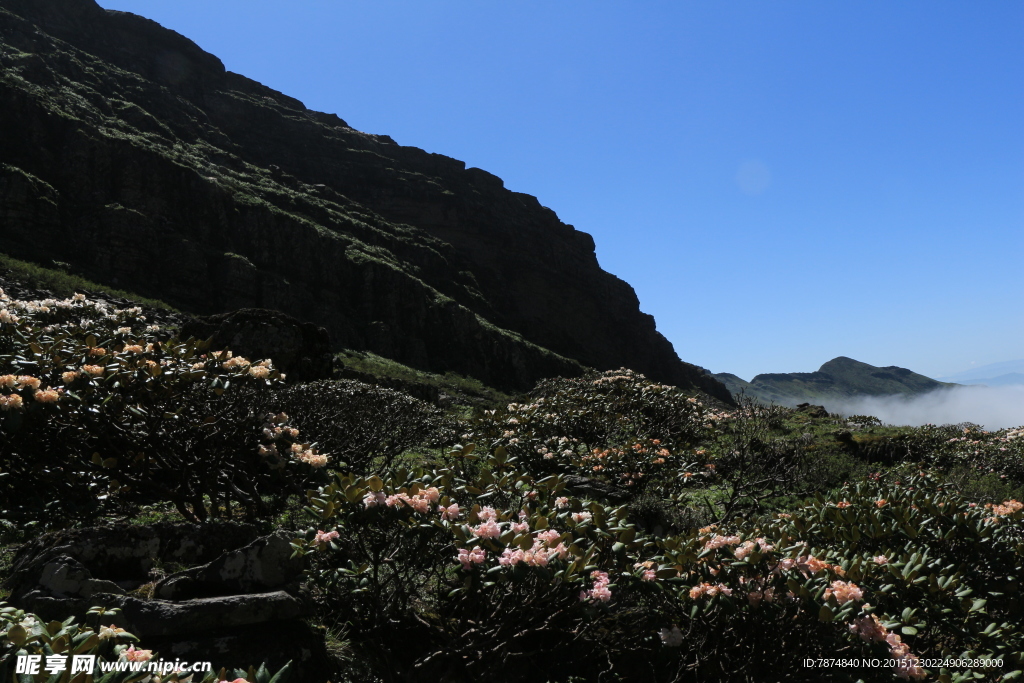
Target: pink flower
{"type": "Point", "coordinates": [869, 628]}
{"type": "Point", "coordinates": [133, 655]}
{"type": "Point", "coordinates": [717, 541]}
{"type": "Point", "coordinates": [10, 402]}
{"type": "Point", "coordinates": [373, 499]}
{"type": "Point", "coordinates": [488, 529]}
{"type": "Point", "coordinates": [844, 592]}
{"type": "Point", "coordinates": [561, 502]}
{"type": "Point", "coordinates": [470, 557]}
{"type": "Point", "coordinates": [650, 575]}
{"type": "Point", "coordinates": [487, 514]}
{"type": "Point", "coordinates": [432, 495]}
{"type": "Point", "coordinates": [323, 538]}
{"type": "Point", "coordinates": [600, 591]}
{"type": "Point", "coordinates": [549, 536]}
{"type": "Point", "coordinates": [880, 559]}
{"type": "Point", "coordinates": [580, 517]}
{"type": "Point", "coordinates": [520, 527]}
{"type": "Point", "coordinates": [451, 512]}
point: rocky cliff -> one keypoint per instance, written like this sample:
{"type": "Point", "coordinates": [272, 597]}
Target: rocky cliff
{"type": "Point", "coordinates": [134, 156]}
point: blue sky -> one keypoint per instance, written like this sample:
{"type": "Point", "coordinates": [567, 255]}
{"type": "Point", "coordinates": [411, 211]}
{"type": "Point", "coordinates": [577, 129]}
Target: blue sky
{"type": "Point", "coordinates": [781, 182]}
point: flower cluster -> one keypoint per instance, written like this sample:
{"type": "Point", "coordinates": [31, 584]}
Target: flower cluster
{"type": "Point", "coordinates": [844, 592]}
{"type": "Point", "coordinates": [276, 430]}
{"type": "Point", "coordinates": [870, 628]}
{"type": "Point", "coordinates": [710, 590]}
{"type": "Point", "coordinates": [600, 590]}
{"type": "Point", "coordinates": [470, 557]}
{"type": "Point", "coordinates": [547, 545]}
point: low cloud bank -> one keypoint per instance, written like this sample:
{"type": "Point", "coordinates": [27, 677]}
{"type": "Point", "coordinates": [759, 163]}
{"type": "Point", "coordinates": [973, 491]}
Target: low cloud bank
{"type": "Point", "coordinates": [991, 407]}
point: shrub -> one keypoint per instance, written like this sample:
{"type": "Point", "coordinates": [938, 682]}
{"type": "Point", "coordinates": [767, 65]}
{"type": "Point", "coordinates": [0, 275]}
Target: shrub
{"type": "Point", "coordinates": [481, 567]}
{"type": "Point", "coordinates": [364, 426]}
{"type": "Point", "coordinates": [98, 408]}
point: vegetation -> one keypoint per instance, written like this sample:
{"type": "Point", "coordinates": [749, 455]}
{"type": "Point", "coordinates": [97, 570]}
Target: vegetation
{"type": "Point", "coordinates": [598, 528]}
{"type": "Point", "coordinates": [63, 283]}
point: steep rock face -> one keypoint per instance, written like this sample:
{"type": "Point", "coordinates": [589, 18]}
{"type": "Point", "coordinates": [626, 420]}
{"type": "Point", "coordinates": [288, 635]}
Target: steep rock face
{"type": "Point", "coordinates": [142, 162]}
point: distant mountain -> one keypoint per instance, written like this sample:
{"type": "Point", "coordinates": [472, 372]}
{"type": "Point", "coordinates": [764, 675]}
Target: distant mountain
{"type": "Point", "coordinates": [1001, 374]}
{"type": "Point", "coordinates": [1009, 379]}
{"type": "Point", "coordinates": [839, 378]}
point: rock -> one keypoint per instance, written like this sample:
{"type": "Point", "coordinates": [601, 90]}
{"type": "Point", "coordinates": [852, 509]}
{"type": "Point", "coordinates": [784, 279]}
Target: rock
{"type": "Point", "coordinates": [124, 554]}
{"type": "Point", "coordinates": [301, 350]}
{"type": "Point", "coordinates": [597, 489]}
{"type": "Point", "coordinates": [140, 158]}
{"type": "Point", "coordinates": [263, 565]}
{"type": "Point", "coordinates": [812, 410]}
{"type": "Point", "coordinates": [66, 577]}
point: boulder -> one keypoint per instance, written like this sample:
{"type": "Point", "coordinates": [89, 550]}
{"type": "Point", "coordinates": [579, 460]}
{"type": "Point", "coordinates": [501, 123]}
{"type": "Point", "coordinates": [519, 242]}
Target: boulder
{"type": "Point", "coordinates": [300, 350]}
{"type": "Point", "coordinates": [263, 565]}
{"type": "Point", "coordinates": [812, 410]}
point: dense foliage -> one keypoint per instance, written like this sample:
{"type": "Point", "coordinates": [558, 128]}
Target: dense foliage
{"type": "Point", "coordinates": [599, 528]}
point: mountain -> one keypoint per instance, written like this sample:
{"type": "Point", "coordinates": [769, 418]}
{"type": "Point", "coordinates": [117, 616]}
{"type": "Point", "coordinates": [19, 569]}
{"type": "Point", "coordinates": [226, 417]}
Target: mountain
{"type": "Point", "coordinates": [1003, 374]}
{"type": "Point", "coordinates": [840, 377]}
{"type": "Point", "coordinates": [139, 161]}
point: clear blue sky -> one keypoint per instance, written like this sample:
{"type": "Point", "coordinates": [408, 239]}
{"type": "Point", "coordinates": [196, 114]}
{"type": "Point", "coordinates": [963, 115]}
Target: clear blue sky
{"type": "Point", "coordinates": [781, 182]}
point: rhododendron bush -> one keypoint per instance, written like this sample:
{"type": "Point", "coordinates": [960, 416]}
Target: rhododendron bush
{"type": "Point", "coordinates": [483, 566]}
{"type": "Point", "coordinates": [98, 407]}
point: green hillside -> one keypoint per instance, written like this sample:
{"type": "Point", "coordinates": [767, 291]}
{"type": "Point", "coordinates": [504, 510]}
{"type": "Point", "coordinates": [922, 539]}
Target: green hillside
{"type": "Point", "coordinates": [840, 378]}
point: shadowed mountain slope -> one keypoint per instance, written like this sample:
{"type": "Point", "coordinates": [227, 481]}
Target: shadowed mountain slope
{"type": "Point", "coordinates": [141, 162]}
{"type": "Point", "coordinates": [841, 377]}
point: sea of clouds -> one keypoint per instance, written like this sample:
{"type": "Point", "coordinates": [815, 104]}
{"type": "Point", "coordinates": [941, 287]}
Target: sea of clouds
{"type": "Point", "coordinates": [991, 407]}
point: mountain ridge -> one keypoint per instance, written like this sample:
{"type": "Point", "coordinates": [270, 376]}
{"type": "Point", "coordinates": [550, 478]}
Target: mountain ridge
{"type": "Point", "coordinates": [839, 378]}
{"type": "Point", "coordinates": [142, 160]}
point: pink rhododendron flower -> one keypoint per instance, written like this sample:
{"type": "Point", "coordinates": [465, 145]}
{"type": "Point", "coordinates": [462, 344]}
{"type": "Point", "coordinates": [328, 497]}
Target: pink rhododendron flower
{"type": "Point", "coordinates": [487, 514]}
{"type": "Point", "coordinates": [580, 517]}
{"type": "Point", "coordinates": [47, 396]}
{"type": "Point", "coordinates": [549, 536]}
{"type": "Point", "coordinates": [717, 541]}
{"type": "Point", "coordinates": [880, 559]}
{"type": "Point", "coordinates": [449, 513]}
{"type": "Point", "coordinates": [519, 527]}
{"type": "Point", "coordinates": [869, 628]}
{"type": "Point", "coordinates": [844, 592]}
{"type": "Point", "coordinates": [470, 557]}
{"type": "Point", "coordinates": [561, 502]}
{"type": "Point", "coordinates": [323, 538]}
{"type": "Point", "coordinates": [133, 655]}
{"type": "Point", "coordinates": [488, 529]}
{"type": "Point", "coordinates": [10, 402]}
{"type": "Point", "coordinates": [373, 499]}
{"type": "Point", "coordinates": [600, 591]}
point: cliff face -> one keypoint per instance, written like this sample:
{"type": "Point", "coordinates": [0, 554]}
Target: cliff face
{"type": "Point", "coordinates": [134, 156]}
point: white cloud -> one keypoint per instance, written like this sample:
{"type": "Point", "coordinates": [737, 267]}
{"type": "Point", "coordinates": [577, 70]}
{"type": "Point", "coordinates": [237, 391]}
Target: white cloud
{"type": "Point", "coordinates": [991, 407]}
